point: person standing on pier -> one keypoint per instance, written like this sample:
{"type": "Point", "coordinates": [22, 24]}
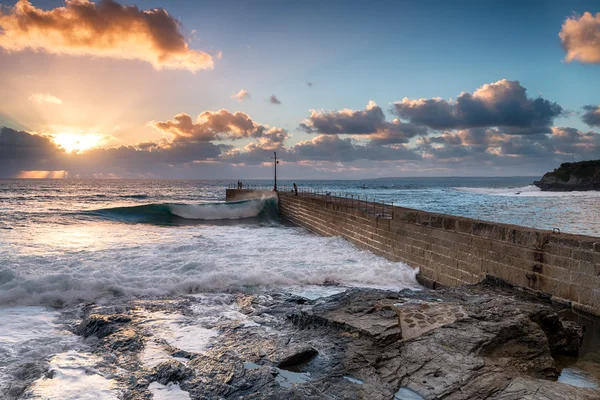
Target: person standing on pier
{"type": "Point", "coordinates": [295, 189]}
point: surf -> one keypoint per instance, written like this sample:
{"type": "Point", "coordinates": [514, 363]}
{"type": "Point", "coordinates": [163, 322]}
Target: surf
{"type": "Point", "coordinates": [264, 209]}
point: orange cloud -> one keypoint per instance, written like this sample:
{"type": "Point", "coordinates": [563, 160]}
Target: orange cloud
{"type": "Point", "coordinates": [213, 125]}
{"type": "Point", "coordinates": [581, 38]}
{"type": "Point", "coordinates": [103, 29]}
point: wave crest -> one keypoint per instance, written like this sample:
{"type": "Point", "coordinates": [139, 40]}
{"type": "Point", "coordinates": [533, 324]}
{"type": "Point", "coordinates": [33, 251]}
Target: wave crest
{"type": "Point", "coordinates": [169, 213]}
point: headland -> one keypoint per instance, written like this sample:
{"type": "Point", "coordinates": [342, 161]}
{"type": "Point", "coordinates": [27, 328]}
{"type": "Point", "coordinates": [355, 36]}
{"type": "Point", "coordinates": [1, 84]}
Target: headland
{"type": "Point", "coordinates": [575, 176]}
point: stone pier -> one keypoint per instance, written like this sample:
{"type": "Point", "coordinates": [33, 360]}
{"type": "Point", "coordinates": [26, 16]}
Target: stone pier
{"type": "Point", "coordinates": [452, 251]}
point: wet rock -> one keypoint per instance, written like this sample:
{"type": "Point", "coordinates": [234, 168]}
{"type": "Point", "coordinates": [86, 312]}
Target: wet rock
{"type": "Point", "coordinates": [417, 318]}
{"type": "Point", "coordinates": [365, 312]}
{"type": "Point", "coordinates": [564, 337]}
{"type": "Point", "coordinates": [295, 356]}
{"type": "Point", "coordinates": [126, 340]}
{"type": "Point", "coordinates": [100, 325]}
{"type": "Point", "coordinates": [171, 371]}
{"type": "Point", "coordinates": [474, 342]}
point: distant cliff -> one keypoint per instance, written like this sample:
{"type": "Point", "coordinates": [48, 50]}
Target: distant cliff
{"type": "Point", "coordinates": [583, 175]}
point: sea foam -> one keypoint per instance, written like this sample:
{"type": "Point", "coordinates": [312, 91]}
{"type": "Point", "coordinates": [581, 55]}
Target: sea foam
{"type": "Point", "coordinates": [148, 260]}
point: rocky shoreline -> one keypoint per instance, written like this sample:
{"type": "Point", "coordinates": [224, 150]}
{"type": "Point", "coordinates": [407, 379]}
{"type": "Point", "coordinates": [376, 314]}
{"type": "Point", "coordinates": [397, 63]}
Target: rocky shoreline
{"type": "Point", "coordinates": [473, 342]}
{"type": "Point", "coordinates": [577, 176]}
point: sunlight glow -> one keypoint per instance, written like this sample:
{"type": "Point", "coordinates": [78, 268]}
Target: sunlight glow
{"type": "Point", "coordinates": [42, 174]}
{"type": "Point", "coordinates": [77, 143]}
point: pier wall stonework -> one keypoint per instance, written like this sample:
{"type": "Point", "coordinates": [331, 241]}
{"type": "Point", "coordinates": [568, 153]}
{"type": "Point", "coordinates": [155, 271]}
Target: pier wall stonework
{"type": "Point", "coordinates": [452, 251]}
{"type": "Point", "coordinates": [246, 194]}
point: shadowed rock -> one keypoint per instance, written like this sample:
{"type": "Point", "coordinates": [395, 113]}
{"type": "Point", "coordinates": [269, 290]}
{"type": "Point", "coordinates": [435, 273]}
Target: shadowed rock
{"type": "Point", "coordinates": [299, 355]}
{"type": "Point", "coordinates": [473, 342]}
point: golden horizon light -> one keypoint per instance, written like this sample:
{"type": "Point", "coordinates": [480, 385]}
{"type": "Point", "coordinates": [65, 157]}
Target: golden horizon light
{"type": "Point", "coordinates": [77, 142]}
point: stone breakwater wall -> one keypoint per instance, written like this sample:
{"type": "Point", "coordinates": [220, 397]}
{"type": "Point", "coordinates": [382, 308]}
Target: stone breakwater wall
{"type": "Point", "coordinates": [452, 251]}
{"type": "Point", "coordinates": [246, 194]}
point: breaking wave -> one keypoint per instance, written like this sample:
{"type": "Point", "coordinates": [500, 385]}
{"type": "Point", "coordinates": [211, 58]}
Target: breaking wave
{"type": "Point", "coordinates": [171, 213]}
{"type": "Point", "coordinates": [190, 260]}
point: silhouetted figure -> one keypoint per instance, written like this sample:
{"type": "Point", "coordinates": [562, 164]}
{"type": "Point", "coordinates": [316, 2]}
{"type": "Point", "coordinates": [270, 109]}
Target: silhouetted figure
{"type": "Point", "coordinates": [295, 189]}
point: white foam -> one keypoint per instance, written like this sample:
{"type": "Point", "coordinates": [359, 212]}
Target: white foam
{"type": "Point", "coordinates": [172, 391]}
{"type": "Point", "coordinates": [154, 353]}
{"type": "Point", "coordinates": [315, 292]}
{"type": "Point", "coordinates": [150, 260]}
{"type": "Point", "coordinates": [178, 331]}
{"type": "Point", "coordinates": [240, 318]}
{"type": "Point", "coordinates": [525, 191]}
{"type": "Point", "coordinates": [29, 335]}
{"type": "Point", "coordinates": [217, 211]}
{"type": "Point", "coordinates": [74, 378]}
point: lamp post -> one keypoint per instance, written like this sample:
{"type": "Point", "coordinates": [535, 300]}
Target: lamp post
{"type": "Point", "coordinates": [275, 162]}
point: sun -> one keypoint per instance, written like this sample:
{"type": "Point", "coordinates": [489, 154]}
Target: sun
{"type": "Point", "coordinates": [76, 142]}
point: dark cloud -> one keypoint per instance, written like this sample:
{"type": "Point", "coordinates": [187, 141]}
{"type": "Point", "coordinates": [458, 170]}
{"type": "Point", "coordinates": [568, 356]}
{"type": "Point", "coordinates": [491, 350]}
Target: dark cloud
{"type": "Point", "coordinates": [591, 116]}
{"type": "Point", "coordinates": [261, 150]}
{"type": "Point", "coordinates": [502, 104]}
{"type": "Point", "coordinates": [397, 132]}
{"type": "Point", "coordinates": [334, 148]}
{"type": "Point", "coordinates": [354, 122]}
{"type": "Point", "coordinates": [189, 142]}
{"type": "Point", "coordinates": [24, 151]}
{"type": "Point", "coordinates": [370, 121]}
{"type": "Point", "coordinates": [498, 148]}
{"type": "Point", "coordinates": [274, 100]}
{"type": "Point", "coordinates": [580, 38]}
{"type": "Point", "coordinates": [309, 83]}
{"type": "Point", "coordinates": [101, 29]}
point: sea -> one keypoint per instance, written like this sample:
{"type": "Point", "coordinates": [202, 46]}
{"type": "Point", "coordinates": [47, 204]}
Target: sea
{"type": "Point", "coordinates": [67, 243]}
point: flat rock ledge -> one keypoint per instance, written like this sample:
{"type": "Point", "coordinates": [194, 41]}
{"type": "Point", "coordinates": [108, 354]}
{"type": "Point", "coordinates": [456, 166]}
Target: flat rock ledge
{"type": "Point", "coordinates": [474, 342]}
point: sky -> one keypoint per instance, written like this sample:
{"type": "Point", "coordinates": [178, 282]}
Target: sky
{"type": "Point", "coordinates": [339, 89]}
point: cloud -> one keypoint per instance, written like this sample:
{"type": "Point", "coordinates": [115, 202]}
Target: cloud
{"type": "Point", "coordinates": [309, 83]}
{"type": "Point", "coordinates": [592, 115]}
{"type": "Point", "coordinates": [501, 104]}
{"type": "Point", "coordinates": [346, 121]}
{"type": "Point", "coordinates": [241, 95]}
{"type": "Point", "coordinates": [397, 132]}
{"type": "Point", "coordinates": [494, 147]}
{"type": "Point", "coordinates": [45, 98]}
{"type": "Point", "coordinates": [261, 150]}
{"type": "Point", "coordinates": [580, 38]}
{"type": "Point", "coordinates": [102, 29]}
{"type": "Point", "coordinates": [212, 125]}
{"type": "Point", "coordinates": [274, 100]}
{"type": "Point", "coordinates": [370, 121]}
{"type": "Point", "coordinates": [334, 148]}
{"type": "Point", "coordinates": [21, 150]}
{"type": "Point", "coordinates": [571, 141]}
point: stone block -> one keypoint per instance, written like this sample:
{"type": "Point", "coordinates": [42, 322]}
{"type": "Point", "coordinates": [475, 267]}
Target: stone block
{"type": "Point", "coordinates": [464, 226]}
{"type": "Point", "coordinates": [560, 274]}
{"type": "Point", "coordinates": [562, 262]}
{"type": "Point", "coordinates": [449, 223]}
{"type": "Point", "coordinates": [584, 280]}
{"type": "Point", "coordinates": [556, 288]}
{"type": "Point", "coordinates": [483, 229]}
{"type": "Point", "coordinates": [481, 243]}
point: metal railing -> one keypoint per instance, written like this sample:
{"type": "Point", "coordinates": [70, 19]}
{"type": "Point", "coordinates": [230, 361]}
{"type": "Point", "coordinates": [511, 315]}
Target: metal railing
{"type": "Point", "coordinates": [249, 187]}
{"type": "Point", "coordinates": [367, 204]}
